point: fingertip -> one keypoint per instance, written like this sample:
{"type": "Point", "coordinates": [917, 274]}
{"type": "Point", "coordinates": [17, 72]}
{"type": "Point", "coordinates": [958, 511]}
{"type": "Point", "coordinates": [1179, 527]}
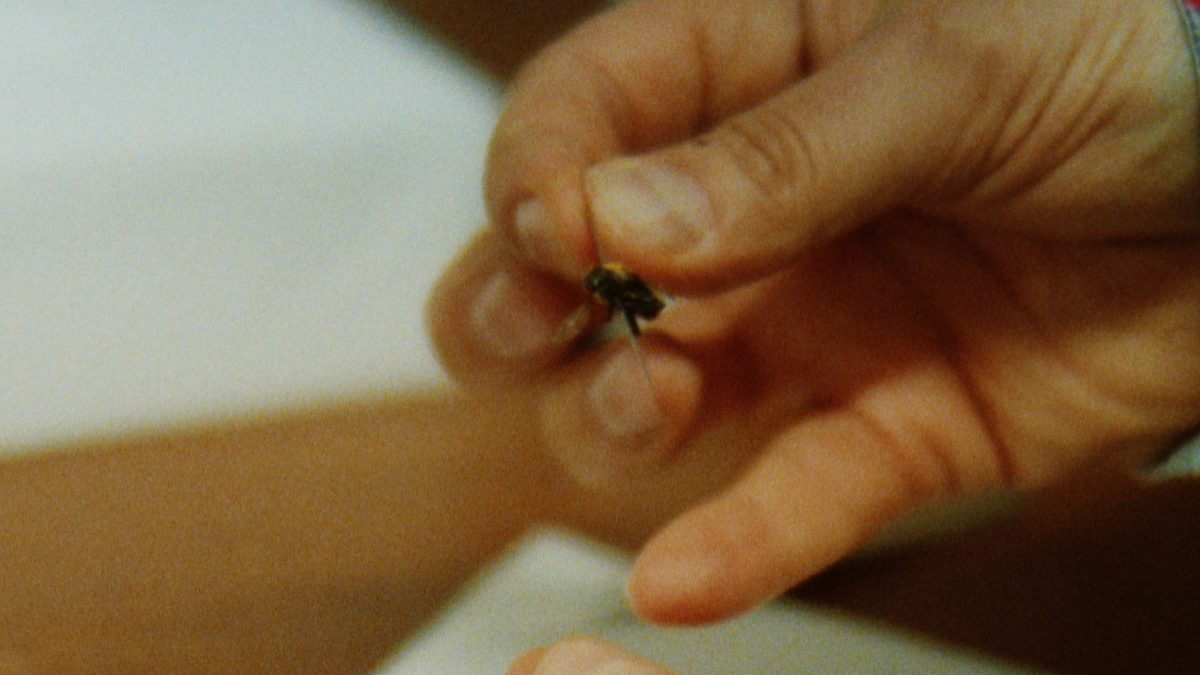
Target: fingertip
{"type": "Point", "coordinates": [533, 183]}
{"type": "Point", "coordinates": [646, 211]}
{"type": "Point", "coordinates": [604, 420]}
{"type": "Point", "coordinates": [547, 221]}
{"type": "Point", "coordinates": [584, 656]}
{"type": "Point", "coordinates": [631, 397]}
{"type": "Point", "coordinates": [691, 573]}
{"type": "Point", "coordinates": [673, 218]}
{"type": "Point", "coordinates": [551, 241]}
{"type": "Point", "coordinates": [491, 316]}
{"type": "Point", "coordinates": [817, 492]}
{"type": "Point", "coordinates": [671, 593]}
{"type": "Point", "coordinates": [527, 662]}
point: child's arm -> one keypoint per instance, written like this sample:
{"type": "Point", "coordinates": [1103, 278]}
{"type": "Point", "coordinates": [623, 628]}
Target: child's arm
{"type": "Point", "coordinates": [310, 543]}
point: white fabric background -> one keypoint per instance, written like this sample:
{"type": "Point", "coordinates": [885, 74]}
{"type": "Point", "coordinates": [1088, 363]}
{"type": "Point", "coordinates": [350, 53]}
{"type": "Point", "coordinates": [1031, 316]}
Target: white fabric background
{"type": "Point", "coordinates": [222, 207]}
{"type": "Point", "coordinates": [555, 585]}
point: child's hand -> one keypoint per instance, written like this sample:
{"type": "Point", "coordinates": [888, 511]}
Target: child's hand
{"type": "Point", "coordinates": [584, 656]}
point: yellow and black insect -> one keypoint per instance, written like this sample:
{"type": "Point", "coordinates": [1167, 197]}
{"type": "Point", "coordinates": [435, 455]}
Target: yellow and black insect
{"type": "Point", "coordinates": [620, 290]}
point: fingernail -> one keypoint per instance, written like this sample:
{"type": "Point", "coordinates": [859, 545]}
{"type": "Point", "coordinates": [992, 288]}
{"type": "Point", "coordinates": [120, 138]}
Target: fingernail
{"type": "Point", "coordinates": [538, 236]}
{"type": "Point", "coordinates": [506, 322]}
{"type": "Point", "coordinates": [648, 205]}
{"type": "Point", "coordinates": [617, 424]}
{"type": "Point", "coordinates": [573, 657]}
{"type": "Point", "coordinates": [589, 657]}
{"type": "Point", "coordinates": [624, 667]}
{"type": "Point", "coordinates": [623, 400]}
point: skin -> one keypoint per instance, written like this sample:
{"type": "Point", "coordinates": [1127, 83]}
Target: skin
{"type": "Point", "coordinates": [318, 540]}
{"type": "Point", "coordinates": [584, 655]}
{"type": "Point", "coordinates": [918, 254]}
{"type": "Point", "coordinates": [308, 542]}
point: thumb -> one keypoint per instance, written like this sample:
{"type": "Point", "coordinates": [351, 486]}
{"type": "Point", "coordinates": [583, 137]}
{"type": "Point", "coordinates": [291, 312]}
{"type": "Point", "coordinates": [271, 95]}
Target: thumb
{"type": "Point", "coordinates": [860, 137]}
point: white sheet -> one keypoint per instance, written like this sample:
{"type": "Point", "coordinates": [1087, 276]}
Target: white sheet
{"type": "Point", "coordinates": [219, 208]}
{"type": "Point", "coordinates": [555, 585]}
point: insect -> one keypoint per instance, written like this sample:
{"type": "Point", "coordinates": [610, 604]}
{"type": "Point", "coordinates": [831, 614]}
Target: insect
{"type": "Point", "coordinates": [623, 291]}
{"type": "Point", "coordinates": [619, 290]}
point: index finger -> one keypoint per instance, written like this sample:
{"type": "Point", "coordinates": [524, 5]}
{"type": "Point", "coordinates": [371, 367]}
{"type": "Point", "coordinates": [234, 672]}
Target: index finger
{"type": "Point", "coordinates": [643, 75]}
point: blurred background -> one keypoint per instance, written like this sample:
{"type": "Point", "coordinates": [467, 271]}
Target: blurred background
{"type": "Point", "coordinates": [222, 208]}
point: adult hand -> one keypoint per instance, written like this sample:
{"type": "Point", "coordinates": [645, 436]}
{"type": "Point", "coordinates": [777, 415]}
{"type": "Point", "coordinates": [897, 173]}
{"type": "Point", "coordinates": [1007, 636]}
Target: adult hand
{"type": "Point", "coordinates": [924, 248]}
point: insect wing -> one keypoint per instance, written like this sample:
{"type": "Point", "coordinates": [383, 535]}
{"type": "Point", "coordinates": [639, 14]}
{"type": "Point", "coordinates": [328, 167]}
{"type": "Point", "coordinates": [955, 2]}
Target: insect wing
{"type": "Point", "coordinates": [574, 325]}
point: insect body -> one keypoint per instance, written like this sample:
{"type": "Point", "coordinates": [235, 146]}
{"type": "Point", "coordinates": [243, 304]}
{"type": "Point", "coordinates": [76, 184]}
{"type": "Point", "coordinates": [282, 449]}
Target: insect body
{"type": "Point", "coordinates": [621, 290]}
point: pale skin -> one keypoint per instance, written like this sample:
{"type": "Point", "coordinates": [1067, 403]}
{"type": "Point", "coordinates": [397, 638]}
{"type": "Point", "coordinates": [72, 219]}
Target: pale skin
{"type": "Point", "coordinates": [923, 249]}
{"type": "Point", "coordinates": [315, 541]}
{"type": "Point", "coordinates": [308, 541]}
